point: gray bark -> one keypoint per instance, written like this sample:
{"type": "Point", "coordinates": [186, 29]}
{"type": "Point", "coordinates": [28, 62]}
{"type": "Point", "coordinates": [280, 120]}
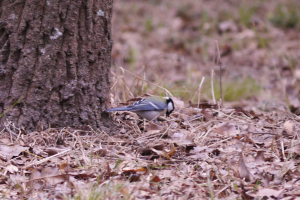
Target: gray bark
{"type": "Point", "coordinates": [55, 57]}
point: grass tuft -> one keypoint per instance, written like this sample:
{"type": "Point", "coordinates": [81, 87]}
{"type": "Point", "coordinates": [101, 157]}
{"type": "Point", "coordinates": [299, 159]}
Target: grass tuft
{"type": "Point", "coordinates": [286, 16]}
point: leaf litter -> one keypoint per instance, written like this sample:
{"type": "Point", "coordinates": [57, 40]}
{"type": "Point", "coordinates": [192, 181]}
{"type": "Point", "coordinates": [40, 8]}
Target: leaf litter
{"type": "Point", "coordinates": [229, 155]}
{"type": "Point", "coordinates": [237, 152]}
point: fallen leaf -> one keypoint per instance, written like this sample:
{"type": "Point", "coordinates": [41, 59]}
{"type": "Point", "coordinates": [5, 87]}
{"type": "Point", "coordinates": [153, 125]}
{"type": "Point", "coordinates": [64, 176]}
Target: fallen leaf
{"type": "Point", "coordinates": [247, 33]}
{"type": "Point", "coordinates": [172, 151]}
{"type": "Point", "coordinates": [51, 175]}
{"type": "Point", "coordinates": [227, 129]}
{"type": "Point", "coordinates": [17, 178]}
{"type": "Point", "coordinates": [153, 128]}
{"type": "Point", "coordinates": [142, 169]}
{"type": "Point", "coordinates": [180, 139]}
{"type": "Point", "coordinates": [131, 175]}
{"type": "Point", "coordinates": [289, 127]}
{"type": "Point", "coordinates": [161, 153]}
{"type": "Point", "coordinates": [11, 168]}
{"type": "Point", "coordinates": [155, 179]}
{"type": "Point", "coordinates": [198, 153]}
{"type": "Point", "coordinates": [243, 169]}
{"type": "Point", "coordinates": [227, 26]}
{"type": "Point", "coordinates": [267, 192]}
{"type": "Point", "coordinates": [7, 152]}
{"type": "Point", "coordinates": [260, 157]}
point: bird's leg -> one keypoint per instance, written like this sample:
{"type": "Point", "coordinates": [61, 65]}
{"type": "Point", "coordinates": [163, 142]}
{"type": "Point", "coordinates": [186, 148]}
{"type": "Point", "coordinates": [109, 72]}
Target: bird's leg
{"type": "Point", "coordinates": [156, 122]}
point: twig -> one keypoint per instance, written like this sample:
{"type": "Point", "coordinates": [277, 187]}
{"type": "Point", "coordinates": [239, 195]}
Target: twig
{"type": "Point", "coordinates": [19, 133]}
{"type": "Point", "coordinates": [148, 82]}
{"type": "Point", "coordinates": [209, 184]}
{"type": "Point", "coordinates": [165, 131]}
{"type": "Point", "coordinates": [46, 159]}
{"type": "Point", "coordinates": [10, 131]}
{"type": "Point", "coordinates": [124, 85]}
{"type": "Point", "coordinates": [129, 125]}
{"type": "Point", "coordinates": [282, 149]}
{"type": "Point", "coordinates": [205, 134]}
{"type": "Point", "coordinates": [212, 83]}
{"type": "Point", "coordinates": [144, 76]}
{"type": "Point", "coordinates": [82, 149]}
{"type": "Point", "coordinates": [187, 90]}
{"type": "Point", "coordinates": [245, 122]}
{"type": "Point", "coordinates": [8, 109]}
{"type": "Point", "coordinates": [200, 86]}
{"type": "Point", "coordinates": [192, 96]}
{"type": "Point", "coordinates": [117, 78]}
{"type": "Point", "coordinates": [2, 131]}
{"type": "Point", "coordinates": [264, 133]}
{"type": "Point", "coordinates": [74, 136]}
{"type": "Point", "coordinates": [220, 64]}
{"type": "Point", "coordinates": [216, 143]}
{"type": "Point", "coordinates": [224, 188]}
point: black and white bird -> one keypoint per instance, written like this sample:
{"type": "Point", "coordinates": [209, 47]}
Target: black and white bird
{"type": "Point", "coordinates": [149, 108]}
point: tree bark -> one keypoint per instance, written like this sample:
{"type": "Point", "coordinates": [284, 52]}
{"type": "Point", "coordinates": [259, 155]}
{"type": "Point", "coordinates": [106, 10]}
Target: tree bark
{"type": "Point", "coordinates": [55, 59]}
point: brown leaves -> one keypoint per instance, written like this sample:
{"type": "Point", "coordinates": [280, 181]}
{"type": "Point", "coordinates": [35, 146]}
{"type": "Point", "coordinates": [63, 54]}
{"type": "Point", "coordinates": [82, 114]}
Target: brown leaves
{"type": "Point", "coordinates": [229, 155]}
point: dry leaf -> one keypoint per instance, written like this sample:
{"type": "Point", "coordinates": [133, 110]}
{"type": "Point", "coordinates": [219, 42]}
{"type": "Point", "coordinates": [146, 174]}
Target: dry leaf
{"type": "Point", "coordinates": [153, 128]}
{"type": "Point", "coordinates": [50, 174]}
{"type": "Point", "coordinates": [161, 153]}
{"type": "Point", "coordinates": [289, 127]}
{"type": "Point", "coordinates": [155, 179]}
{"type": "Point", "coordinates": [172, 151]}
{"type": "Point", "coordinates": [267, 192]}
{"type": "Point", "coordinates": [142, 169]}
{"type": "Point", "coordinates": [243, 169]}
{"type": "Point", "coordinates": [227, 129]}
{"type": "Point", "coordinates": [260, 157]}
{"type": "Point", "coordinates": [180, 139]}
{"type": "Point", "coordinates": [178, 103]}
{"type": "Point", "coordinates": [11, 168]}
{"type": "Point", "coordinates": [7, 152]}
{"type": "Point", "coordinates": [227, 26]}
{"type": "Point", "coordinates": [295, 149]}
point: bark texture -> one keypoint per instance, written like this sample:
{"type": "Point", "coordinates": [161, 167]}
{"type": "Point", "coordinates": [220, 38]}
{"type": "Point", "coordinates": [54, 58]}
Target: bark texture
{"type": "Point", "coordinates": [55, 57]}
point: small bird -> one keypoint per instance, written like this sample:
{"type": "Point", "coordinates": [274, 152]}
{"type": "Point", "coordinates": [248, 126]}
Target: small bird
{"type": "Point", "coordinates": [149, 108]}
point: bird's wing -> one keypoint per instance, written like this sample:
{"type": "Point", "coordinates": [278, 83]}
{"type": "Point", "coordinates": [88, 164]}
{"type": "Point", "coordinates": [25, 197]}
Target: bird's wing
{"type": "Point", "coordinates": [145, 104]}
{"type": "Point", "coordinates": [118, 109]}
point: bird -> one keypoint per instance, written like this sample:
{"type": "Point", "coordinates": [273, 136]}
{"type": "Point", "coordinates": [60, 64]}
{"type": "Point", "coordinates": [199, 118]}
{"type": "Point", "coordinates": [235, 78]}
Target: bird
{"type": "Point", "coordinates": [149, 108]}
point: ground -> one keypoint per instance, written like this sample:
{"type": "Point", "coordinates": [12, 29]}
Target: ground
{"type": "Point", "coordinates": [241, 143]}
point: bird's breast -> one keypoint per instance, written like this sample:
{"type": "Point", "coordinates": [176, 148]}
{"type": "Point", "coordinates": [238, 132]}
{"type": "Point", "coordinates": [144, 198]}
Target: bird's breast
{"type": "Point", "coordinates": [150, 115]}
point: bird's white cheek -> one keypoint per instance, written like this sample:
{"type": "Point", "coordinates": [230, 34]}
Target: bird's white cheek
{"type": "Point", "coordinates": [170, 106]}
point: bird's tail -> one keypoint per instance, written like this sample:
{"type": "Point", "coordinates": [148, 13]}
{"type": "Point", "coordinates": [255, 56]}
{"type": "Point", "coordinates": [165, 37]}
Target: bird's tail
{"type": "Point", "coordinates": [117, 109]}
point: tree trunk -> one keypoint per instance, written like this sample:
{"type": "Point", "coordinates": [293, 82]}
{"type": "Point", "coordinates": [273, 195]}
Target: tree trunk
{"type": "Point", "coordinates": [55, 59]}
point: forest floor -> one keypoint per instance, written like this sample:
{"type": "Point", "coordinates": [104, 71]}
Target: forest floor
{"type": "Point", "coordinates": [238, 142]}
